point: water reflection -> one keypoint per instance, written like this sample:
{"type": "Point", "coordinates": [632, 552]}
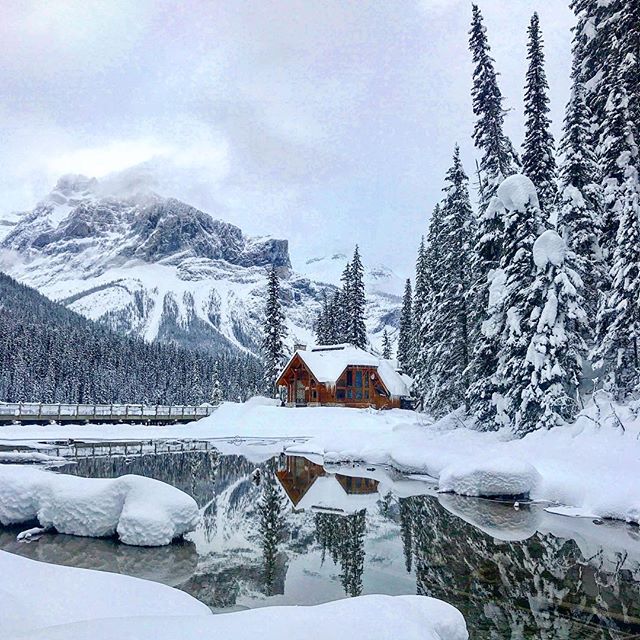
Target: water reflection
{"type": "Point", "coordinates": [306, 534]}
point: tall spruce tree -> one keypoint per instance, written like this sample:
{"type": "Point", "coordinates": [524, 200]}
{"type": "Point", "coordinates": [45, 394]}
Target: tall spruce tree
{"type": "Point", "coordinates": [386, 346]}
{"type": "Point", "coordinates": [271, 524]}
{"type": "Point", "coordinates": [420, 304]}
{"type": "Point", "coordinates": [538, 161]}
{"type": "Point", "coordinates": [406, 334]}
{"type": "Point", "coordinates": [432, 277]}
{"type": "Point", "coordinates": [554, 357]}
{"type": "Point", "coordinates": [357, 330]}
{"type": "Point", "coordinates": [580, 200]}
{"type": "Point", "coordinates": [619, 317]}
{"type": "Point", "coordinates": [274, 332]}
{"type": "Point", "coordinates": [498, 159]}
{"type": "Point", "coordinates": [515, 312]}
{"type": "Point", "coordinates": [448, 346]}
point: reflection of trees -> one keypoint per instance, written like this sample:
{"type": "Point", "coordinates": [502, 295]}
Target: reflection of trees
{"type": "Point", "coordinates": [542, 587]}
{"type": "Point", "coordinates": [343, 537]}
{"type": "Point", "coordinates": [270, 508]}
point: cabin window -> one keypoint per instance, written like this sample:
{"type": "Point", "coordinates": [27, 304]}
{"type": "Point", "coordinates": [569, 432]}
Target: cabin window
{"type": "Point", "coordinates": [340, 394]}
{"type": "Point", "coordinates": [358, 379]}
{"type": "Point", "coordinates": [349, 378]}
{"type": "Point", "coordinates": [314, 394]}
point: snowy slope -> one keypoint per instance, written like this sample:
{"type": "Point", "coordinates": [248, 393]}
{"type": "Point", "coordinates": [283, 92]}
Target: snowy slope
{"type": "Point", "coordinates": [161, 269]}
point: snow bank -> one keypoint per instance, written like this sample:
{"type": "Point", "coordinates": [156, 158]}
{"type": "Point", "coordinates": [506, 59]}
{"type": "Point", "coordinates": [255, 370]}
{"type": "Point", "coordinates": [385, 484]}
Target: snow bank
{"type": "Point", "coordinates": [79, 604]}
{"type": "Point", "coordinates": [549, 247]}
{"type": "Point", "coordinates": [516, 192]}
{"type": "Point", "coordinates": [490, 478]}
{"type": "Point", "coordinates": [141, 511]}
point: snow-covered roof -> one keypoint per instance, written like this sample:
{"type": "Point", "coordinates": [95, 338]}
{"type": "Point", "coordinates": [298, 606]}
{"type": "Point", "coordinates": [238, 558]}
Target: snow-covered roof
{"type": "Point", "coordinates": [328, 362]}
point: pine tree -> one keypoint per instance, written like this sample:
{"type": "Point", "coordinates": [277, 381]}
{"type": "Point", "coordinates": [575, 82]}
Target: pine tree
{"type": "Point", "coordinates": [216, 391]}
{"type": "Point", "coordinates": [618, 320]}
{"type": "Point", "coordinates": [386, 345]}
{"type": "Point", "coordinates": [357, 334]}
{"type": "Point", "coordinates": [580, 200]}
{"type": "Point", "coordinates": [499, 159]}
{"type": "Point", "coordinates": [538, 162]}
{"type": "Point", "coordinates": [447, 349]}
{"type": "Point", "coordinates": [420, 304]}
{"type": "Point", "coordinates": [322, 327]}
{"type": "Point", "coordinates": [406, 335]}
{"type": "Point", "coordinates": [344, 305]}
{"type": "Point", "coordinates": [274, 332]}
{"type": "Point", "coordinates": [433, 278]}
{"type": "Point", "coordinates": [553, 362]}
{"type": "Point", "coordinates": [515, 313]}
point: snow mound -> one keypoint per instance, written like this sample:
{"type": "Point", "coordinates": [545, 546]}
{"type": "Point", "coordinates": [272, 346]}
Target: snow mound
{"type": "Point", "coordinates": [489, 478]}
{"type": "Point", "coordinates": [81, 604]}
{"type": "Point", "coordinates": [516, 192]}
{"type": "Point", "coordinates": [549, 248]}
{"type": "Point", "coordinates": [141, 511]}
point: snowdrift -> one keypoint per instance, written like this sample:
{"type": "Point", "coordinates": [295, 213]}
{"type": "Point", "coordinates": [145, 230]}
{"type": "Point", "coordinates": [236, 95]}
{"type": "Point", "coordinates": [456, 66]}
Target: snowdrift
{"type": "Point", "coordinates": [141, 511]}
{"type": "Point", "coordinates": [500, 477]}
{"type": "Point", "coordinates": [79, 604]}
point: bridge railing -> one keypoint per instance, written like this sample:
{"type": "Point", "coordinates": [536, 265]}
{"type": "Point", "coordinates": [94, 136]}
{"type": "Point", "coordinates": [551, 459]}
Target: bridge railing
{"type": "Point", "coordinates": [117, 412]}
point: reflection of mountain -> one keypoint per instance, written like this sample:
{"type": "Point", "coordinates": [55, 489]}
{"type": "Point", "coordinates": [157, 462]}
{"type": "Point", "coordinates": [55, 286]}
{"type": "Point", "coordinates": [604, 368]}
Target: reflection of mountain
{"type": "Point", "coordinates": [540, 587]}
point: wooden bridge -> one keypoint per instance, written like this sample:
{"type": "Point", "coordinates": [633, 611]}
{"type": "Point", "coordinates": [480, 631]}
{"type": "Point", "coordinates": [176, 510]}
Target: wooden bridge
{"type": "Point", "coordinates": [39, 413]}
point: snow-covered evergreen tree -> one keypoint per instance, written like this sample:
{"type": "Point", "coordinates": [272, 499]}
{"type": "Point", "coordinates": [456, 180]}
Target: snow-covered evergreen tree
{"type": "Point", "coordinates": [406, 334]}
{"type": "Point", "coordinates": [498, 159]}
{"type": "Point", "coordinates": [515, 313]}
{"type": "Point", "coordinates": [386, 346]}
{"type": "Point", "coordinates": [538, 161]}
{"type": "Point", "coordinates": [619, 317]}
{"type": "Point", "coordinates": [420, 305]}
{"type": "Point", "coordinates": [432, 277]}
{"type": "Point", "coordinates": [274, 333]}
{"type": "Point", "coordinates": [447, 349]}
{"type": "Point", "coordinates": [216, 390]}
{"type": "Point", "coordinates": [556, 349]}
{"type": "Point", "coordinates": [357, 333]}
{"type": "Point", "coordinates": [580, 200]}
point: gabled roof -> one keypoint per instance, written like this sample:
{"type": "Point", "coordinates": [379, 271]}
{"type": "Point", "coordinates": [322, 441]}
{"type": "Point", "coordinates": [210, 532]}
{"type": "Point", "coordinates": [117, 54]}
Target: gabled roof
{"type": "Point", "coordinates": [327, 363]}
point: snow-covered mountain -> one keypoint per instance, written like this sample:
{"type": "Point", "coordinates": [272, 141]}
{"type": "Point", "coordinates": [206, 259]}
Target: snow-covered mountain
{"type": "Point", "coordinates": [162, 269]}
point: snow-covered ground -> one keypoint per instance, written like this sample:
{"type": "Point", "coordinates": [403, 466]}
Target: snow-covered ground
{"type": "Point", "coordinates": [592, 465]}
{"type": "Point", "coordinates": [53, 602]}
{"type": "Point", "coordinates": [142, 511]}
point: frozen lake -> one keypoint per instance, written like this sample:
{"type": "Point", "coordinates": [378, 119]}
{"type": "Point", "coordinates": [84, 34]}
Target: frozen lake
{"type": "Point", "coordinates": [351, 530]}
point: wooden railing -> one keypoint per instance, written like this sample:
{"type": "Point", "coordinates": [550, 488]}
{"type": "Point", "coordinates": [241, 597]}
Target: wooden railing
{"type": "Point", "coordinates": [25, 412]}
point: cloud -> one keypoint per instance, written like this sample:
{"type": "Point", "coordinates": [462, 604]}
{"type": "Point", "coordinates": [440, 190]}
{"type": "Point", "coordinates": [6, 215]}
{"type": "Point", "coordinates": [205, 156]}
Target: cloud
{"type": "Point", "coordinates": [326, 122]}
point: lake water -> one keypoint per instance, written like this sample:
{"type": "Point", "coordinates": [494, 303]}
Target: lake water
{"type": "Point", "coordinates": [346, 531]}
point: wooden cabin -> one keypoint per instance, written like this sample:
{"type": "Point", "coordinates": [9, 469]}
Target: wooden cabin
{"type": "Point", "coordinates": [342, 375]}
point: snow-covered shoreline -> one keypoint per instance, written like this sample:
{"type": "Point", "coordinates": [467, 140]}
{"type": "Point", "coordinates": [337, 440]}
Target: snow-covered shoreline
{"type": "Point", "coordinates": [592, 465]}
{"type": "Point", "coordinates": [78, 604]}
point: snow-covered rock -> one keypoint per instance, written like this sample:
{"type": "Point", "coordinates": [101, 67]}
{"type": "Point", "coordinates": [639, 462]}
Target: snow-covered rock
{"type": "Point", "coordinates": [141, 511]}
{"type": "Point", "coordinates": [489, 477]}
{"type": "Point", "coordinates": [516, 192]}
{"type": "Point", "coordinates": [40, 600]}
{"type": "Point", "coordinates": [549, 248]}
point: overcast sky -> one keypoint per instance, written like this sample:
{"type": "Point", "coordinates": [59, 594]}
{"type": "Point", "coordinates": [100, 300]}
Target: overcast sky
{"type": "Point", "coordinates": [325, 122]}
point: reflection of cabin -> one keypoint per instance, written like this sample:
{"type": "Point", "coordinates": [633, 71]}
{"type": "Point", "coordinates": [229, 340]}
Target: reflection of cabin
{"type": "Point", "coordinates": [343, 375]}
{"type": "Point", "coordinates": [309, 486]}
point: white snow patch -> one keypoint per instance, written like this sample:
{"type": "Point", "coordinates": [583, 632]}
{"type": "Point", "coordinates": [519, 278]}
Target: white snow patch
{"type": "Point", "coordinates": [142, 511]}
{"type": "Point", "coordinates": [516, 192]}
{"type": "Point", "coordinates": [549, 248]}
{"type": "Point", "coordinates": [489, 477]}
{"type": "Point", "coordinates": [81, 604]}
